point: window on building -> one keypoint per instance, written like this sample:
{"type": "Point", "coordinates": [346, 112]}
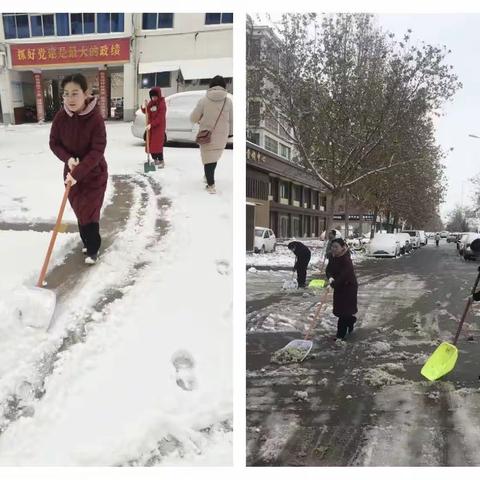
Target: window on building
{"type": "Point", "coordinates": [36, 25]}
{"type": "Point", "coordinates": [23, 29]}
{"type": "Point", "coordinates": [159, 79]}
{"type": "Point", "coordinates": [218, 18]}
{"type": "Point", "coordinates": [165, 20]}
{"type": "Point", "coordinates": [271, 123]}
{"type": "Point", "coordinates": [284, 190]}
{"type": "Point", "coordinates": [76, 24]}
{"type": "Point", "coordinates": [48, 25]}
{"type": "Point", "coordinates": [285, 151]}
{"type": "Point", "coordinates": [152, 21]}
{"type": "Point", "coordinates": [253, 137]}
{"type": "Point", "coordinates": [62, 22]}
{"type": "Point", "coordinates": [117, 22]}
{"type": "Point", "coordinates": [254, 113]}
{"type": "Point", "coordinates": [255, 45]}
{"type": "Point", "coordinates": [271, 144]}
{"type": "Point", "coordinates": [88, 23]}
{"type": "Point", "coordinates": [297, 193]}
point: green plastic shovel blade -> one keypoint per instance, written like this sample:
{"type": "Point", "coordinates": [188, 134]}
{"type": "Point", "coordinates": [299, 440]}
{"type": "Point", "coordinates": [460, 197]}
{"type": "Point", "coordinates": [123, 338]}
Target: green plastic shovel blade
{"type": "Point", "coordinates": [317, 283]}
{"type": "Point", "coordinates": [441, 361]}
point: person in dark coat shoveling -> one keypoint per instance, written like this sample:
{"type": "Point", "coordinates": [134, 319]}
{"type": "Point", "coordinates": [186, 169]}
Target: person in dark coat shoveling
{"type": "Point", "coordinates": [302, 254]}
{"type": "Point", "coordinates": [156, 110]}
{"type": "Point", "coordinates": [344, 283]}
{"type": "Point", "coordinates": [78, 138]}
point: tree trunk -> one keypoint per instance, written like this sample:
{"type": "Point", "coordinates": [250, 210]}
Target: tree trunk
{"type": "Point", "coordinates": [330, 213]}
{"type": "Point", "coordinates": [374, 223]}
{"type": "Point", "coordinates": [346, 214]}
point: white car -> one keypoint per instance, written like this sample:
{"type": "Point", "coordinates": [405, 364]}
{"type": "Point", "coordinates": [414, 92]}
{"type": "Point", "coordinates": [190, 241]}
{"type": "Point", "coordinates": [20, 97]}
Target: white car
{"type": "Point", "coordinates": [265, 240]}
{"type": "Point", "coordinates": [384, 245]}
{"type": "Point", "coordinates": [179, 128]}
{"type": "Point", "coordinates": [404, 239]}
{"type": "Point", "coordinates": [423, 238]}
{"type": "Point", "coordinates": [414, 237]}
{"type": "Point", "coordinates": [465, 249]}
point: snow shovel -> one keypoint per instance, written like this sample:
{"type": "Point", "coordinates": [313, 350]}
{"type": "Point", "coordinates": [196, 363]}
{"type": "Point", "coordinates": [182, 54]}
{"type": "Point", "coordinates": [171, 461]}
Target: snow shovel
{"type": "Point", "coordinates": [443, 359]}
{"type": "Point", "coordinates": [297, 350]}
{"type": "Point", "coordinates": [318, 282]}
{"type": "Point", "coordinates": [38, 310]}
{"type": "Point", "coordinates": [148, 166]}
{"type": "Point", "coordinates": [290, 284]}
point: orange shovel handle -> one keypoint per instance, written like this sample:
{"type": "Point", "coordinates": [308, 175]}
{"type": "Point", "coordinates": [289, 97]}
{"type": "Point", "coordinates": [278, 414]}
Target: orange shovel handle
{"type": "Point", "coordinates": [43, 272]}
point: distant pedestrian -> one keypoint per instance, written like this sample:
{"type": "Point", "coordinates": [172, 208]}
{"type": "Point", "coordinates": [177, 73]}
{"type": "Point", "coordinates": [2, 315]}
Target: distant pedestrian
{"type": "Point", "coordinates": [437, 239]}
{"type": "Point", "coordinates": [342, 279]}
{"type": "Point", "coordinates": [156, 111]}
{"type": "Point", "coordinates": [332, 234]}
{"type": "Point", "coordinates": [78, 138]}
{"type": "Point", "coordinates": [214, 113]}
{"type": "Point", "coordinates": [303, 255]}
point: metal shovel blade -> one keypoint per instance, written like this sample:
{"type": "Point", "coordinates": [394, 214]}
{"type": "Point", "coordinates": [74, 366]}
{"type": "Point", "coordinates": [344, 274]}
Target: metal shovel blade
{"type": "Point", "coordinates": [317, 283]}
{"type": "Point", "coordinates": [293, 352]}
{"type": "Point", "coordinates": [35, 306]}
{"type": "Point", "coordinates": [440, 362]}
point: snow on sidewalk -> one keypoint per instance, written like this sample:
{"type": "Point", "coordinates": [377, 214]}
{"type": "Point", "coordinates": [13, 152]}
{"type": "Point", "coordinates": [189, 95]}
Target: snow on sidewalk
{"type": "Point", "coordinates": [116, 398]}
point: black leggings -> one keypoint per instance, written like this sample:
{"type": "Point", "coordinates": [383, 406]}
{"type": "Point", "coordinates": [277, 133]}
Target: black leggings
{"type": "Point", "coordinates": [157, 156]}
{"type": "Point", "coordinates": [345, 322]}
{"type": "Point", "coordinates": [210, 173]}
{"type": "Point", "coordinates": [90, 235]}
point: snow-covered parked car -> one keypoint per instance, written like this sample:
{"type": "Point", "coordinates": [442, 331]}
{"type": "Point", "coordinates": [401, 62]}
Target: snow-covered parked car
{"type": "Point", "coordinates": [405, 245]}
{"type": "Point", "coordinates": [384, 245]}
{"type": "Point", "coordinates": [414, 237]}
{"type": "Point", "coordinates": [465, 251]}
{"type": "Point", "coordinates": [265, 240]}
{"type": "Point", "coordinates": [179, 128]}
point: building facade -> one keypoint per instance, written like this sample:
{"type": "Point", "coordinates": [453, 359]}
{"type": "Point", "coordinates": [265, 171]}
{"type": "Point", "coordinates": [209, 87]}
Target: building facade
{"type": "Point", "coordinates": [122, 55]}
{"type": "Point", "coordinates": [282, 196]}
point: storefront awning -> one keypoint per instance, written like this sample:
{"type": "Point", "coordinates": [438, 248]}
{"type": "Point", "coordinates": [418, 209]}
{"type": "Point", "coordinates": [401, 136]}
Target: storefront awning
{"type": "Point", "coordinates": [206, 68]}
{"type": "Point", "coordinates": [154, 67]}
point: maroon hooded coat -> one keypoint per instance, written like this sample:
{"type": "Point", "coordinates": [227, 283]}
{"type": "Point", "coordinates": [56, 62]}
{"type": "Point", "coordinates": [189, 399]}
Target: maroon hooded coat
{"type": "Point", "coordinates": [345, 285]}
{"type": "Point", "coordinates": [157, 111]}
{"type": "Point", "coordinates": [82, 136]}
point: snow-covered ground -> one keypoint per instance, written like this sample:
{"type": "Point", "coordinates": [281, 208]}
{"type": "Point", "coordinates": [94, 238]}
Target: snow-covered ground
{"type": "Point", "coordinates": [136, 367]}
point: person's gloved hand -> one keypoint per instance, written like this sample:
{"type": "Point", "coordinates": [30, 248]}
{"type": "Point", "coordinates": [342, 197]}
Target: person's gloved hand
{"type": "Point", "coordinates": [476, 296]}
{"type": "Point", "coordinates": [331, 282]}
{"type": "Point", "coordinates": [70, 179]}
{"type": "Point", "coordinates": [72, 163]}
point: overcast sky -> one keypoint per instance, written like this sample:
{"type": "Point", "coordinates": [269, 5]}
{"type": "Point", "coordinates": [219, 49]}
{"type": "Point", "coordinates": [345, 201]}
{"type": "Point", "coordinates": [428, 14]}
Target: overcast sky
{"type": "Point", "coordinates": [461, 34]}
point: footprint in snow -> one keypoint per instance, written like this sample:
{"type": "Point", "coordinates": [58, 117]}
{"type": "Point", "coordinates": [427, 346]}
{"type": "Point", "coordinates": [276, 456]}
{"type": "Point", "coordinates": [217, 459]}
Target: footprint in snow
{"type": "Point", "coordinates": [185, 376]}
{"type": "Point", "coordinates": [223, 267]}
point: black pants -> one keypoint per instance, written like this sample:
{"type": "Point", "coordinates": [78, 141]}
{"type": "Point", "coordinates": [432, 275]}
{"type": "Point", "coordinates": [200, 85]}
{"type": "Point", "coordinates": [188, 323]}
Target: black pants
{"type": "Point", "coordinates": [302, 265]}
{"type": "Point", "coordinates": [90, 235]}
{"type": "Point", "coordinates": [157, 156]}
{"type": "Point", "coordinates": [345, 323]}
{"type": "Point", "coordinates": [210, 173]}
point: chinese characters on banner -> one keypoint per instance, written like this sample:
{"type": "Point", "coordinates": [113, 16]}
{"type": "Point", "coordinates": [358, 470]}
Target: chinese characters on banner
{"type": "Point", "coordinates": [83, 52]}
{"type": "Point", "coordinates": [39, 97]}
{"type": "Point", "coordinates": [102, 86]}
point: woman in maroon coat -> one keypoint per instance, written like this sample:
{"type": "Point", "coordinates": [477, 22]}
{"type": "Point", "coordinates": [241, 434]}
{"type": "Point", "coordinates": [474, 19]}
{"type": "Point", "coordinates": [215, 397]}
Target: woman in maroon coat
{"type": "Point", "coordinates": [78, 139]}
{"type": "Point", "coordinates": [156, 110]}
{"type": "Point", "coordinates": [344, 282]}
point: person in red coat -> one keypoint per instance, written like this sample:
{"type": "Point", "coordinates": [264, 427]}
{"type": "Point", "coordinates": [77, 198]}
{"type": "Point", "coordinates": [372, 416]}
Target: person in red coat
{"type": "Point", "coordinates": [156, 111]}
{"type": "Point", "coordinates": [345, 287]}
{"type": "Point", "coordinates": [78, 138]}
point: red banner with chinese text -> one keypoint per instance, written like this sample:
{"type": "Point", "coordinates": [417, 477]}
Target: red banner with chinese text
{"type": "Point", "coordinates": [39, 97]}
{"type": "Point", "coordinates": [61, 53]}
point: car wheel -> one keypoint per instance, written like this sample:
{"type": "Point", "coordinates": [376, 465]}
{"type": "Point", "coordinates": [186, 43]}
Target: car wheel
{"type": "Point", "coordinates": [262, 250]}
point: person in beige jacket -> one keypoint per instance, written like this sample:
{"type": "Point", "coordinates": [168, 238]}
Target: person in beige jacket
{"type": "Point", "coordinates": [214, 105]}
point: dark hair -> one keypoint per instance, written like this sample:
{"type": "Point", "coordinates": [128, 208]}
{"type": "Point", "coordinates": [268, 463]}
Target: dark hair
{"type": "Point", "coordinates": [340, 241]}
{"type": "Point", "coordinates": [77, 78]}
{"type": "Point", "coordinates": [291, 245]}
{"type": "Point", "coordinates": [217, 81]}
{"type": "Point", "coordinates": [333, 232]}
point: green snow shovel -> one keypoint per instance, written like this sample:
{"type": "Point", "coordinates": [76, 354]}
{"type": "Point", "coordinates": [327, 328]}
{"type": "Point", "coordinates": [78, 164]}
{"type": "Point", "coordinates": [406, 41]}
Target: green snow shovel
{"type": "Point", "coordinates": [297, 350]}
{"type": "Point", "coordinates": [443, 359]}
{"type": "Point", "coordinates": [36, 304]}
{"type": "Point", "coordinates": [148, 166]}
{"type": "Point", "coordinates": [319, 282]}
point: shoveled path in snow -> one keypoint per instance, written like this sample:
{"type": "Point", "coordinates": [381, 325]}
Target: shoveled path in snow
{"type": "Point", "coordinates": [26, 378]}
{"type": "Point", "coordinates": [364, 402]}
